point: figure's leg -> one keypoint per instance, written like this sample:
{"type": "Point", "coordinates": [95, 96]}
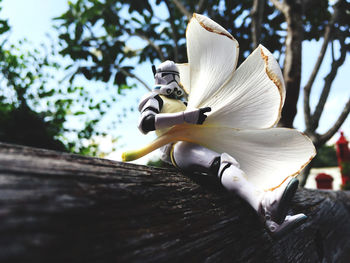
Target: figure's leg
{"type": "Point", "coordinates": [235, 180]}
{"type": "Point", "coordinates": [190, 157]}
{"type": "Point", "coordinates": [272, 206]}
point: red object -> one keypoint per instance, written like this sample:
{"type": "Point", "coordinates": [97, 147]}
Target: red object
{"type": "Point", "coordinates": [324, 181]}
{"type": "Point", "coordinates": [343, 155]}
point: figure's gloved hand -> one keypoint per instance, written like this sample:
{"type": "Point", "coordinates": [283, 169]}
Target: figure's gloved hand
{"type": "Point", "coordinates": [196, 116]}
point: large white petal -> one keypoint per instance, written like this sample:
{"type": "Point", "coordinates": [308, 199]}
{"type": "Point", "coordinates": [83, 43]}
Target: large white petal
{"type": "Point", "coordinates": [212, 54]}
{"type": "Point", "coordinates": [185, 76]}
{"type": "Point", "coordinates": [267, 156]}
{"type": "Point", "coordinates": [254, 96]}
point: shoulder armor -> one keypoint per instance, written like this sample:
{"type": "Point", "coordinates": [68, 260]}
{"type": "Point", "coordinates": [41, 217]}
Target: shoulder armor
{"type": "Point", "coordinates": [150, 100]}
{"type": "Point", "coordinates": [145, 98]}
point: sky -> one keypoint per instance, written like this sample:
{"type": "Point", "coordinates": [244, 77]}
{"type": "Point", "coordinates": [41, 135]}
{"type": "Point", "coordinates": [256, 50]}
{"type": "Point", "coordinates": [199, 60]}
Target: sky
{"type": "Point", "coordinates": [32, 19]}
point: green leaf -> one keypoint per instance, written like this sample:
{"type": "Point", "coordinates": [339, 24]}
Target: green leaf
{"type": "Point", "coordinates": [79, 113]}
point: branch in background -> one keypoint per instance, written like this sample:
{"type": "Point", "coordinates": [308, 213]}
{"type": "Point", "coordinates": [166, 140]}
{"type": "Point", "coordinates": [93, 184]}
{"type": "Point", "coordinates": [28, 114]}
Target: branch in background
{"type": "Point", "coordinates": [152, 44]}
{"type": "Point", "coordinates": [200, 7]}
{"type": "Point", "coordinates": [329, 134]}
{"type": "Point", "coordinates": [292, 11]}
{"type": "Point", "coordinates": [257, 15]}
{"type": "Point", "coordinates": [183, 9]}
{"type": "Point", "coordinates": [279, 5]}
{"type": "Point", "coordinates": [132, 32]}
{"type": "Point", "coordinates": [173, 32]}
{"type": "Point", "coordinates": [317, 139]}
{"type": "Point", "coordinates": [129, 74]}
{"type": "Point", "coordinates": [336, 64]}
{"type": "Point", "coordinates": [304, 175]}
{"type": "Point", "coordinates": [332, 50]}
{"type": "Point", "coordinates": [308, 86]}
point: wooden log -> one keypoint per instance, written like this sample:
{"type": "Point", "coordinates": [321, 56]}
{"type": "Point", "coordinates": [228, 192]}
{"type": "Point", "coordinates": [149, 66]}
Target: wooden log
{"type": "Point", "coordinates": [58, 207]}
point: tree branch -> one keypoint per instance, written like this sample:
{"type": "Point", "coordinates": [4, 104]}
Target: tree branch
{"type": "Point", "coordinates": [183, 9]}
{"type": "Point", "coordinates": [257, 15]}
{"type": "Point", "coordinates": [327, 86]}
{"type": "Point", "coordinates": [332, 50]}
{"type": "Point", "coordinates": [200, 6]}
{"type": "Point", "coordinates": [173, 32]}
{"type": "Point", "coordinates": [292, 11]}
{"type": "Point", "coordinates": [59, 207]}
{"type": "Point", "coordinates": [152, 44]}
{"type": "Point", "coordinates": [342, 117]}
{"type": "Point", "coordinates": [279, 5]}
{"type": "Point", "coordinates": [308, 86]}
{"type": "Point", "coordinates": [129, 74]}
{"type": "Point", "coordinates": [133, 32]}
{"type": "Point", "coordinates": [304, 175]}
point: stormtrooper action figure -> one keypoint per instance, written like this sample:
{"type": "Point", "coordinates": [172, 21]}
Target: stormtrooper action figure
{"type": "Point", "coordinates": [165, 107]}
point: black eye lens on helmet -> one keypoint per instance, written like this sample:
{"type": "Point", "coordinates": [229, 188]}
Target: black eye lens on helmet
{"type": "Point", "coordinates": [179, 93]}
{"type": "Point", "coordinates": [168, 91]}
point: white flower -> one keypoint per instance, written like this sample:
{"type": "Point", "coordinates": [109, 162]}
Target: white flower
{"type": "Point", "coordinates": [246, 104]}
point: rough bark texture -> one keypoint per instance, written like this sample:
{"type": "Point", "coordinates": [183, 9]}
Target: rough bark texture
{"type": "Point", "coordinates": [57, 207]}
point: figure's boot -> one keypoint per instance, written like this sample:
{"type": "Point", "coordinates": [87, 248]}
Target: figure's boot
{"type": "Point", "coordinates": [275, 204]}
{"type": "Point", "coordinates": [272, 206]}
{"type": "Point", "coordinates": [290, 222]}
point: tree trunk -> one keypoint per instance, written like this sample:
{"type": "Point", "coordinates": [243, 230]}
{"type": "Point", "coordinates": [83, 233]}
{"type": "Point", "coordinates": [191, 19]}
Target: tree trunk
{"type": "Point", "coordinates": [58, 207]}
{"type": "Point", "coordinates": [304, 175]}
{"type": "Point", "coordinates": [292, 61]}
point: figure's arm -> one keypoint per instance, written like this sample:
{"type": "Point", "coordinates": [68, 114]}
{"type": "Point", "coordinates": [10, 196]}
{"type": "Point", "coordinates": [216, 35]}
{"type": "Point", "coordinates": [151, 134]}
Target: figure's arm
{"type": "Point", "coordinates": [149, 107]}
{"type": "Point", "coordinates": [196, 116]}
{"type": "Point", "coordinates": [151, 119]}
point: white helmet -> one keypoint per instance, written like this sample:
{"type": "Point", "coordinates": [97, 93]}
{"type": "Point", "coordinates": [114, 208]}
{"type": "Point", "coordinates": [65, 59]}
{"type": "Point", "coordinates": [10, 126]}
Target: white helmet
{"type": "Point", "coordinates": [167, 79]}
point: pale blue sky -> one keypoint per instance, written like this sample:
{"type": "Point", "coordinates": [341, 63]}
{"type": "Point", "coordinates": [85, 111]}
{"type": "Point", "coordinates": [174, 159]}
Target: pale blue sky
{"type": "Point", "coordinates": [31, 19]}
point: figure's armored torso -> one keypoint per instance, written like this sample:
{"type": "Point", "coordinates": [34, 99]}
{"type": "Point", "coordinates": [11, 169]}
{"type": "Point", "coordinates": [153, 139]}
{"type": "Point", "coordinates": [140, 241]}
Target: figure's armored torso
{"type": "Point", "coordinates": [170, 106]}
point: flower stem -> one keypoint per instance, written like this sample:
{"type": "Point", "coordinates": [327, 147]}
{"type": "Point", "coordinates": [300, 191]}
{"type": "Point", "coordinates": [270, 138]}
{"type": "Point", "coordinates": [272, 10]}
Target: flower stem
{"type": "Point", "coordinates": [157, 143]}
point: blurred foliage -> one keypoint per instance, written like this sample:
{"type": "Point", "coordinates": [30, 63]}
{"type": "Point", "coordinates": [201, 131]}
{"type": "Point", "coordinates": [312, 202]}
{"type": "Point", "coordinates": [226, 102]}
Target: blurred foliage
{"type": "Point", "coordinates": [346, 186]}
{"type": "Point", "coordinates": [346, 171]}
{"type": "Point", "coordinates": [100, 34]}
{"type": "Point", "coordinates": [326, 157]}
{"type": "Point", "coordinates": [346, 167]}
{"type": "Point", "coordinates": [35, 106]}
{"type": "Point", "coordinates": [19, 123]}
